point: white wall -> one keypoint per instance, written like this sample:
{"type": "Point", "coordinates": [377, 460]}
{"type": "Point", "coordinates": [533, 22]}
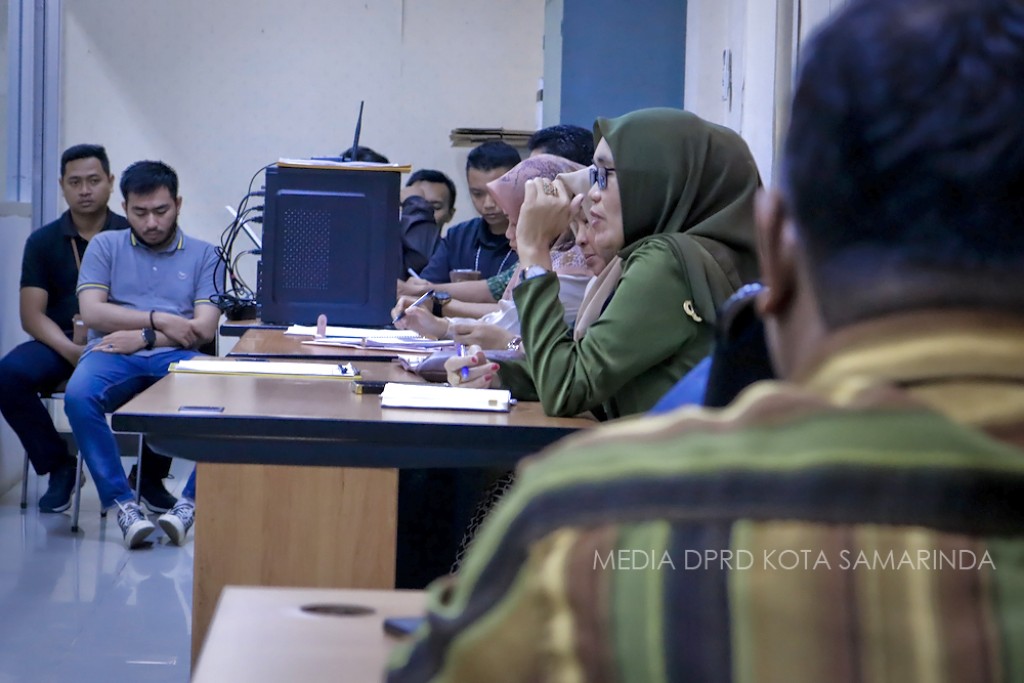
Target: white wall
{"type": "Point", "coordinates": [14, 227]}
{"type": "Point", "coordinates": [746, 30]}
{"type": "Point", "coordinates": [763, 37]}
{"type": "Point", "coordinates": [218, 88]}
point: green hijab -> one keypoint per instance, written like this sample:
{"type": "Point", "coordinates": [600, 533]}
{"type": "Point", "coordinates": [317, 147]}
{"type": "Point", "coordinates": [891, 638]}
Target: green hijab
{"type": "Point", "coordinates": [693, 183]}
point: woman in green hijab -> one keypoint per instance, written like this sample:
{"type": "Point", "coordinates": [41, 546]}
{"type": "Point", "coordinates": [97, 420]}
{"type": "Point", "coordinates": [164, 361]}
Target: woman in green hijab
{"type": "Point", "coordinates": [674, 195]}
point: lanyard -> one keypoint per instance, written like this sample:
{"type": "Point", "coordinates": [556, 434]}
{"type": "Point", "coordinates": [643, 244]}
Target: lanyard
{"type": "Point", "coordinates": [78, 257]}
{"type": "Point", "coordinates": [476, 261]}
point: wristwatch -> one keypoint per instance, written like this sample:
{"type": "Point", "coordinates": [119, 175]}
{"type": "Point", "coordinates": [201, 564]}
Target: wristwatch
{"type": "Point", "coordinates": [534, 271]}
{"type": "Point", "coordinates": [441, 299]}
{"type": "Point", "coordinates": [149, 336]}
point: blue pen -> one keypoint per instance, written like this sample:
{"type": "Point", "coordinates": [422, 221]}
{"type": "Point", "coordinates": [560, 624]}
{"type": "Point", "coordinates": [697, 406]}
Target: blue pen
{"type": "Point", "coordinates": [462, 354]}
{"type": "Point", "coordinates": [413, 273]}
{"type": "Point", "coordinates": [426, 295]}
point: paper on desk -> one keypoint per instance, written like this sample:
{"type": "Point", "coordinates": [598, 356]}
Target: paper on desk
{"type": "Point", "coordinates": [353, 332]}
{"type": "Point", "coordinates": [397, 395]}
{"type": "Point", "coordinates": [345, 165]}
{"type": "Point", "coordinates": [278, 368]}
{"type": "Point", "coordinates": [418, 345]}
{"type": "Point", "coordinates": [410, 362]}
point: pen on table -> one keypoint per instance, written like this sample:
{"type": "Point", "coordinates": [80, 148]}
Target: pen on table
{"type": "Point", "coordinates": [413, 273]}
{"type": "Point", "coordinates": [426, 295]}
{"type": "Point", "coordinates": [464, 372]}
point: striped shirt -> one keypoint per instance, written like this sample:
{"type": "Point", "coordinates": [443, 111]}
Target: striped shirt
{"type": "Point", "coordinates": [864, 524]}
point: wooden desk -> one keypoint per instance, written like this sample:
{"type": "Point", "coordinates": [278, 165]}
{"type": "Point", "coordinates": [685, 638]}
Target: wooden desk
{"type": "Point", "coordinates": [263, 343]}
{"type": "Point", "coordinates": [296, 485]}
{"type": "Point", "coordinates": [262, 634]}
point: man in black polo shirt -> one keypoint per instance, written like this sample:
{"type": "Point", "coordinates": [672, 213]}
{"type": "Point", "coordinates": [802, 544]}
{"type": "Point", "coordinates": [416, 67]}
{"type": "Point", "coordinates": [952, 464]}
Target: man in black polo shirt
{"type": "Point", "coordinates": [48, 304]}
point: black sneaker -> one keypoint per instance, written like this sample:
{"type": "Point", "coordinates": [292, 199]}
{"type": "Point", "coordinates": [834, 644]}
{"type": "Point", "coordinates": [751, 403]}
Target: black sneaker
{"type": "Point", "coordinates": [58, 492]}
{"type": "Point", "coordinates": [156, 498]}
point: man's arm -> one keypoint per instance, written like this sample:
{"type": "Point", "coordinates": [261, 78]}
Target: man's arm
{"type": "Point", "coordinates": [471, 291]}
{"type": "Point", "coordinates": [204, 323]}
{"type": "Point", "coordinates": [103, 316]}
{"type": "Point", "coordinates": [32, 307]}
{"type": "Point", "coordinates": [467, 309]}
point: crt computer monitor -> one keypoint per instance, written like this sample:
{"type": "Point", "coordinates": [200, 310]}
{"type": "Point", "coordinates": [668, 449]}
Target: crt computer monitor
{"type": "Point", "coordinates": [331, 245]}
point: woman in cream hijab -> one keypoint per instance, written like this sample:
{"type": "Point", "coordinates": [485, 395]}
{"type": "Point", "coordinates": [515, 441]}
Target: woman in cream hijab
{"type": "Point", "coordinates": [673, 195]}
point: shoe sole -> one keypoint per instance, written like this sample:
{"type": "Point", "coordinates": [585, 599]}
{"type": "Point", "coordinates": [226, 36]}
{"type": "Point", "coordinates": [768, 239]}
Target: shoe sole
{"type": "Point", "coordinates": [60, 508]}
{"type": "Point", "coordinates": [64, 506]}
{"type": "Point", "coordinates": [137, 534]}
{"type": "Point", "coordinates": [174, 532]}
{"type": "Point", "coordinates": [156, 509]}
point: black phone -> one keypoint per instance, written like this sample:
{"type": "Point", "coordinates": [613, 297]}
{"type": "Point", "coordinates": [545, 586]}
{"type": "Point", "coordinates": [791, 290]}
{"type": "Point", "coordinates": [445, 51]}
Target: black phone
{"type": "Point", "coordinates": [368, 386]}
{"type": "Point", "coordinates": [402, 626]}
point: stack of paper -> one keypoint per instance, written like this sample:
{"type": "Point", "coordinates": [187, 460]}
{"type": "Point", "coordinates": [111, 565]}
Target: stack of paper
{"type": "Point", "coordinates": [344, 165]}
{"type": "Point", "coordinates": [371, 338]}
{"type": "Point", "coordinates": [445, 398]}
{"type": "Point", "coordinates": [335, 332]}
{"type": "Point", "coordinates": [254, 367]}
{"type": "Point", "coordinates": [464, 137]}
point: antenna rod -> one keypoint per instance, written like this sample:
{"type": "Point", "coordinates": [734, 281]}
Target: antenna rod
{"type": "Point", "coordinates": [359, 126]}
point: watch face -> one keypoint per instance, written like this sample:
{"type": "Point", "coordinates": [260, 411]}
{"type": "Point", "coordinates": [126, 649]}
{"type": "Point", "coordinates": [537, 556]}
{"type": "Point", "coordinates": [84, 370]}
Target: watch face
{"type": "Point", "coordinates": [442, 297]}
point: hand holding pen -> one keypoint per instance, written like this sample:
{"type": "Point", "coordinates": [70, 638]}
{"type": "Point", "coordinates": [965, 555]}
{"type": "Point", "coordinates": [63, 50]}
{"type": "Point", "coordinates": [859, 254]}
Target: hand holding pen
{"type": "Point", "coordinates": [471, 369]}
{"type": "Point", "coordinates": [426, 295]}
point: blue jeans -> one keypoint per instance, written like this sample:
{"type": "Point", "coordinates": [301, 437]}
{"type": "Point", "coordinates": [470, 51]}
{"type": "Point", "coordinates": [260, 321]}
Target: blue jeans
{"type": "Point", "coordinates": [102, 383]}
{"type": "Point", "coordinates": [28, 370]}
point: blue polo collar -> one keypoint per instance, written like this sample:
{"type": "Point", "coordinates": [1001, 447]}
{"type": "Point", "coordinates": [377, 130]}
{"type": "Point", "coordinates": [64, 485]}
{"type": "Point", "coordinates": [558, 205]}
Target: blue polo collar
{"type": "Point", "coordinates": [174, 245]}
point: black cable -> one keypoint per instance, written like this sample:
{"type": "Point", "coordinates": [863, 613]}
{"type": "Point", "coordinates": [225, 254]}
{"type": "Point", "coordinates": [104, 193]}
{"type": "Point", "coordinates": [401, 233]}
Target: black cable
{"type": "Point", "coordinates": [236, 292]}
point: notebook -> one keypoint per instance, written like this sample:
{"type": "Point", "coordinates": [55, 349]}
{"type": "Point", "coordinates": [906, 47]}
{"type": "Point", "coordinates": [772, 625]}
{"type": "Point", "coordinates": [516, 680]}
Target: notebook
{"type": "Point", "coordinates": [439, 397]}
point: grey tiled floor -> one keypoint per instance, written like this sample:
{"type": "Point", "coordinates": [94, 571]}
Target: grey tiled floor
{"type": "Point", "coordinates": [81, 608]}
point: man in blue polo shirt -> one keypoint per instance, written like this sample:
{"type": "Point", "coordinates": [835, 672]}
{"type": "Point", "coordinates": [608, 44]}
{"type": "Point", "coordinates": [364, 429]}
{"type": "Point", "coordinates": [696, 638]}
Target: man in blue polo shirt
{"type": "Point", "coordinates": [478, 244]}
{"type": "Point", "coordinates": [145, 295]}
{"type": "Point", "coordinates": [48, 305]}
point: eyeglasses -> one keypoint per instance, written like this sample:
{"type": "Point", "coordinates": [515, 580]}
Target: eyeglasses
{"type": "Point", "coordinates": [599, 175]}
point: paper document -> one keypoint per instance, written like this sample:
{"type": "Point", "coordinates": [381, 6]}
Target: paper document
{"type": "Point", "coordinates": [344, 165]}
{"type": "Point", "coordinates": [410, 362]}
{"type": "Point", "coordinates": [419, 343]}
{"type": "Point", "coordinates": [445, 398]}
{"type": "Point", "coordinates": [254, 367]}
{"type": "Point", "coordinates": [353, 332]}
{"type": "Point", "coordinates": [396, 345]}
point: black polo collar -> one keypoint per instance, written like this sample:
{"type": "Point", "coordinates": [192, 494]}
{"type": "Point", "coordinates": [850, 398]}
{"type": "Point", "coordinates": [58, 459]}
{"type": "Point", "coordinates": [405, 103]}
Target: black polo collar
{"type": "Point", "coordinates": [67, 226]}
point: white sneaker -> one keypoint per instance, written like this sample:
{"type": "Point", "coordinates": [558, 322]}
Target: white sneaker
{"type": "Point", "coordinates": [133, 523]}
{"type": "Point", "coordinates": [179, 520]}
